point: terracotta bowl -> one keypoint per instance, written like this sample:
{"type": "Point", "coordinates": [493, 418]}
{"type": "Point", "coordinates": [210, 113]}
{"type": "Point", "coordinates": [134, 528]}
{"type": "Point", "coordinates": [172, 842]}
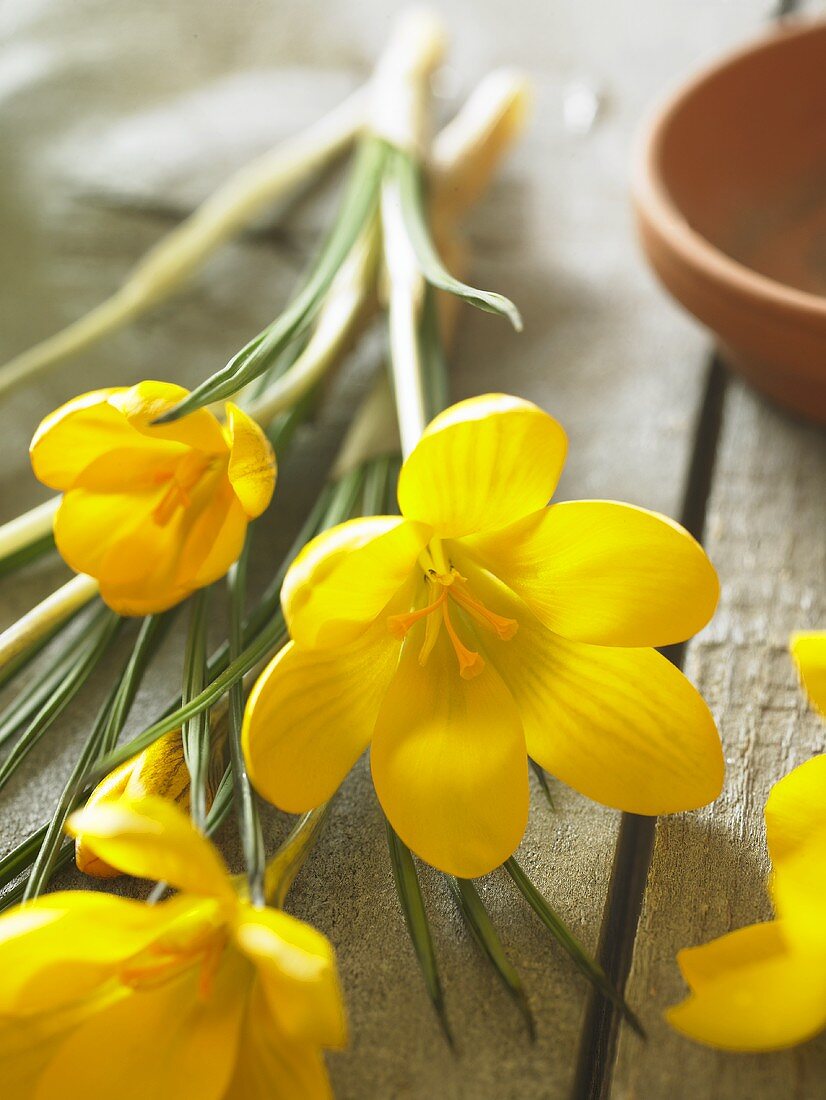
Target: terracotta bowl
{"type": "Point", "coordinates": [730, 198]}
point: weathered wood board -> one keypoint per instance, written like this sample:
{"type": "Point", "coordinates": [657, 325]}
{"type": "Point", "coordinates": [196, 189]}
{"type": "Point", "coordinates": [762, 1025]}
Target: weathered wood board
{"type": "Point", "coordinates": [766, 534]}
{"type": "Point", "coordinates": [114, 120]}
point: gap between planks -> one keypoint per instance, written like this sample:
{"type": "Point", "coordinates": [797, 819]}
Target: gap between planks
{"type": "Point", "coordinates": [635, 842]}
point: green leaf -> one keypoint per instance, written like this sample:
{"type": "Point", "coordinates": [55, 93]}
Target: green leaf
{"type": "Point", "coordinates": [249, 823]}
{"type": "Point", "coordinates": [480, 924]}
{"type": "Point", "coordinates": [195, 732]}
{"type": "Point", "coordinates": [563, 935]}
{"type": "Point", "coordinates": [87, 655]}
{"type": "Point", "coordinates": [108, 725]}
{"type": "Point", "coordinates": [406, 171]}
{"type": "Point", "coordinates": [411, 901]}
{"type": "Point", "coordinates": [539, 772]}
{"type": "Point", "coordinates": [360, 204]}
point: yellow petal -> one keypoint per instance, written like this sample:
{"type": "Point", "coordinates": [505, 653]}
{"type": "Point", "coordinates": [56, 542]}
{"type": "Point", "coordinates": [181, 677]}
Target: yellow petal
{"type": "Point", "coordinates": [796, 836]}
{"type": "Point", "coordinates": [214, 537]}
{"type": "Point", "coordinates": [297, 971]}
{"type": "Point", "coordinates": [150, 838]}
{"type": "Point", "coordinates": [796, 810]}
{"type": "Point", "coordinates": [61, 946]}
{"type": "Point", "coordinates": [482, 464]}
{"type": "Point", "coordinates": [449, 763]}
{"type": "Point", "coordinates": [343, 579]}
{"type": "Point", "coordinates": [606, 573]}
{"type": "Point", "coordinates": [112, 786]}
{"type": "Point", "coordinates": [74, 435]}
{"type": "Point", "coordinates": [144, 403]}
{"type": "Point", "coordinates": [270, 1066]}
{"type": "Point", "coordinates": [622, 726]}
{"type": "Point", "coordinates": [809, 652]}
{"type": "Point", "coordinates": [173, 1039]}
{"type": "Point", "coordinates": [311, 715]}
{"type": "Point", "coordinates": [752, 991]}
{"type": "Point", "coordinates": [251, 462]}
{"type": "Point", "coordinates": [113, 538]}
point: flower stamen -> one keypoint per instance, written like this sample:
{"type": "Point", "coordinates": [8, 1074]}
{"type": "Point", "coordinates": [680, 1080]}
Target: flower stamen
{"type": "Point", "coordinates": [184, 478]}
{"type": "Point", "coordinates": [470, 662]}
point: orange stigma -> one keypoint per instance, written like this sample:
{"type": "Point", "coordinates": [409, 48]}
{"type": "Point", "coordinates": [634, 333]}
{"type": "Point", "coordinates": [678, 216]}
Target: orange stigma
{"type": "Point", "coordinates": [455, 586]}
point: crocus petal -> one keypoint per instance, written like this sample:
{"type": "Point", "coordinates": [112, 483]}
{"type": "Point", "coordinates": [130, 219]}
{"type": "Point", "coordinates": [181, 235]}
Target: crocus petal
{"type": "Point", "coordinates": [59, 947]}
{"type": "Point", "coordinates": [311, 715]}
{"type": "Point", "coordinates": [271, 1066]}
{"type": "Point", "coordinates": [113, 537]}
{"type": "Point", "coordinates": [170, 1039]}
{"type": "Point", "coordinates": [606, 573]}
{"type": "Point", "coordinates": [796, 837]}
{"type": "Point", "coordinates": [74, 435]}
{"type": "Point", "coordinates": [142, 404]}
{"type": "Point", "coordinates": [752, 991]}
{"type": "Point", "coordinates": [796, 810]}
{"type": "Point", "coordinates": [622, 726]}
{"type": "Point", "coordinates": [297, 971]}
{"type": "Point", "coordinates": [482, 464]}
{"type": "Point", "coordinates": [809, 652]}
{"type": "Point", "coordinates": [251, 462]}
{"type": "Point", "coordinates": [449, 763]}
{"type": "Point", "coordinates": [215, 533]}
{"type": "Point", "coordinates": [343, 578]}
{"type": "Point", "coordinates": [150, 838]}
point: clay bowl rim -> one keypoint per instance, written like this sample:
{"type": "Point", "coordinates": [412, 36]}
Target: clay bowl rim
{"type": "Point", "coordinates": [654, 202]}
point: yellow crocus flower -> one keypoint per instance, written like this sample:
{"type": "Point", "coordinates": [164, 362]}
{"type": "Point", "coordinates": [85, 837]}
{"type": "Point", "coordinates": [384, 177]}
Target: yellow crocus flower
{"type": "Point", "coordinates": [201, 997]}
{"type": "Point", "coordinates": [151, 511]}
{"type": "Point", "coordinates": [481, 627]}
{"type": "Point", "coordinates": [763, 987]}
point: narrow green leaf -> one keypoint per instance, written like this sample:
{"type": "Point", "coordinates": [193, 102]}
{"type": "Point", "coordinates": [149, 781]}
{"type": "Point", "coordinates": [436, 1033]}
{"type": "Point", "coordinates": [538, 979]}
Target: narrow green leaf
{"type": "Point", "coordinates": [105, 730]}
{"type": "Point", "coordinates": [539, 772]}
{"type": "Point", "coordinates": [195, 732]}
{"type": "Point", "coordinates": [360, 203]}
{"type": "Point", "coordinates": [88, 654]}
{"type": "Point", "coordinates": [480, 924]}
{"type": "Point", "coordinates": [411, 901]}
{"type": "Point", "coordinates": [563, 935]}
{"type": "Point", "coordinates": [249, 823]}
{"type": "Point", "coordinates": [432, 357]}
{"type": "Point", "coordinates": [407, 173]}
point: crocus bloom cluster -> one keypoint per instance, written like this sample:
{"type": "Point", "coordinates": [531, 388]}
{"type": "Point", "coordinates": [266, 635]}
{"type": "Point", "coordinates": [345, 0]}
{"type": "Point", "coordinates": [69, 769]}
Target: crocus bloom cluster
{"type": "Point", "coordinates": [482, 626]}
{"type": "Point", "coordinates": [201, 997]}
{"type": "Point", "coordinates": [151, 511]}
{"type": "Point", "coordinates": [763, 987]}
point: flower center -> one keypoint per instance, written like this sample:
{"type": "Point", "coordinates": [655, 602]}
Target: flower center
{"type": "Point", "coordinates": [180, 483]}
{"type": "Point", "coordinates": [198, 942]}
{"type": "Point", "coordinates": [443, 587]}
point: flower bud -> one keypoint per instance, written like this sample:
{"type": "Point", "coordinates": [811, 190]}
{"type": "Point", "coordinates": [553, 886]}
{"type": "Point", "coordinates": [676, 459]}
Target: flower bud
{"type": "Point", "coordinates": [159, 770]}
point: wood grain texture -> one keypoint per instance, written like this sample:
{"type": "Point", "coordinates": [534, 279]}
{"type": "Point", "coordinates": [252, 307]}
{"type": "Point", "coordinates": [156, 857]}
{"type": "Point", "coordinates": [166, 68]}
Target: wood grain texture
{"type": "Point", "coordinates": [116, 117]}
{"type": "Point", "coordinates": [767, 537]}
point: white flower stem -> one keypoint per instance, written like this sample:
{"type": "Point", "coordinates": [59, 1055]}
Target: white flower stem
{"type": "Point", "coordinates": [47, 615]}
{"type": "Point", "coordinates": [178, 254]}
{"type": "Point", "coordinates": [27, 528]}
{"type": "Point", "coordinates": [398, 114]}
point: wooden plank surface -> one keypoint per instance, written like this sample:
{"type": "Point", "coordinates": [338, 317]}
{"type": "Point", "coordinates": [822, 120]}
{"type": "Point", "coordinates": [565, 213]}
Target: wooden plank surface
{"type": "Point", "coordinates": [118, 118]}
{"type": "Point", "coordinates": [766, 534]}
